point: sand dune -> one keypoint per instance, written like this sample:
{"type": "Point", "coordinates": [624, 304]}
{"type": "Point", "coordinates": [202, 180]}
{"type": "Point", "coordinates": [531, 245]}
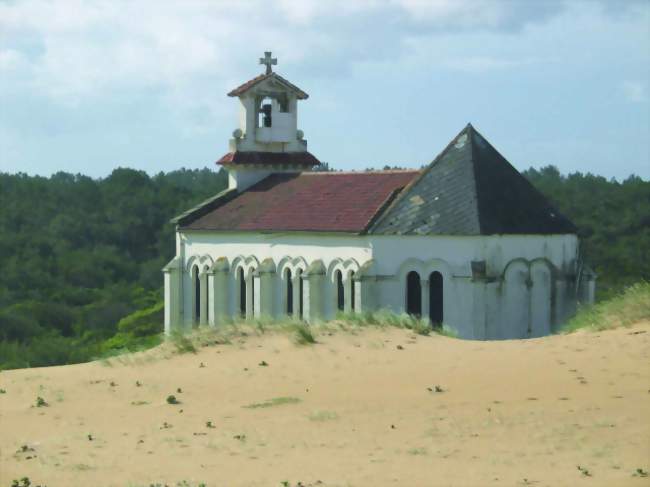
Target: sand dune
{"type": "Point", "coordinates": [352, 410]}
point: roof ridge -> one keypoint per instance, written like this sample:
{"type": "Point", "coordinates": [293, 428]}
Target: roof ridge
{"type": "Point", "coordinates": [405, 190]}
{"type": "Point", "coordinates": [262, 77]}
{"type": "Point", "coordinates": [334, 173]}
{"type": "Point", "coordinates": [471, 133]}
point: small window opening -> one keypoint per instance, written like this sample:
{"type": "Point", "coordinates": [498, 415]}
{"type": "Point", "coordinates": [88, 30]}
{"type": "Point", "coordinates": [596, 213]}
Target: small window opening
{"type": "Point", "coordinates": [289, 280]}
{"type": "Point", "coordinates": [413, 294]}
{"type": "Point", "coordinates": [340, 291]}
{"type": "Point", "coordinates": [242, 293]}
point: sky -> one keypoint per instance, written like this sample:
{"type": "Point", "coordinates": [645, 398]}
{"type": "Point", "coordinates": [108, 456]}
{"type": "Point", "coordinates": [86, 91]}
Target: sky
{"type": "Point", "coordinates": [89, 86]}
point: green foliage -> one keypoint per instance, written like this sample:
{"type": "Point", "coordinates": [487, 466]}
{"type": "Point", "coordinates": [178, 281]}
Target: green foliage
{"type": "Point", "coordinates": [613, 219]}
{"type": "Point", "coordinates": [140, 330]}
{"type": "Point", "coordinates": [629, 307]}
{"type": "Point", "coordinates": [172, 400]}
{"type": "Point", "coordinates": [80, 257]}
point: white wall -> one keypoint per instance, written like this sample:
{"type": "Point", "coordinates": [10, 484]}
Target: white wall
{"type": "Point", "coordinates": [525, 293]}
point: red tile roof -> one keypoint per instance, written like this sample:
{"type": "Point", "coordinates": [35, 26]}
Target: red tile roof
{"type": "Point", "coordinates": [305, 159]}
{"type": "Point", "coordinates": [258, 79]}
{"type": "Point", "coordinates": [318, 202]}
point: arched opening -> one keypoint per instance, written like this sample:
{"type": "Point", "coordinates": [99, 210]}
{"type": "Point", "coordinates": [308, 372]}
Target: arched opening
{"type": "Point", "coordinates": [197, 295]}
{"type": "Point", "coordinates": [340, 291]}
{"type": "Point", "coordinates": [242, 292]}
{"type": "Point", "coordinates": [265, 109]}
{"type": "Point", "coordinates": [436, 299]}
{"type": "Point", "coordinates": [352, 293]}
{"type": "Point", "coordinates": [413, 294]}
{"type": "Point", "coordinates": [300, 293]}
{"type": "Point", "coordinates": [289, 278]}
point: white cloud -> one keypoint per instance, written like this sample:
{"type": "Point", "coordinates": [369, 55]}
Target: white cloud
{"type": "Point", "coordinates": [634, 91]}
{"type": "Point", "coordinates": [191, 52]}
{"type": "Point", "coordinates": [87, 48]}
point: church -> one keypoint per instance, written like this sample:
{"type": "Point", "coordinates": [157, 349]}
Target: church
{"type": "Point", "coordinates": [467, 243]}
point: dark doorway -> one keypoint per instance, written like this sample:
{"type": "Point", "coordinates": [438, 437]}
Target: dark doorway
{"type": "Point", "coordinates": [197, 295]}
{"type": "Point", "coordinates": [413, 294]}
{"type": "Point", "coordinates": [300, 299]}
{"type": "Point", "coordinates": [289, 278]}
{"type": "Point", "coordinates": [340, 291]}
{"type": "Point", "coordinates": [242, 293]}
{"type": "Point", "coordinates": [435, 299]}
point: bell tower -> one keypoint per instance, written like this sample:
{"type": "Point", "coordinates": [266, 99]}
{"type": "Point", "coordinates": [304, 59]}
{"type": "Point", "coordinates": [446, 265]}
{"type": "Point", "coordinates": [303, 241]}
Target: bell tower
{"type": "Point", "coordinates": [268, 139]}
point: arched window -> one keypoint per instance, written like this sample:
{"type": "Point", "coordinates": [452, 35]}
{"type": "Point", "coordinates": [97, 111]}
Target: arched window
{"type": "Point", "coordinates": [435, 299]}
{"type": "Point", "coordinates": [352, 293]}
{"type": "Point", "coordinates": [289, 290]}
{"type": "Point", "coordinates": [340, 291]}
{"type": "Point", "coordinates": [242, 292]}
{"type": "Point", "coordinates": [197, 295]}
{"type": "Point", "coordinates": [413, 294]}
{"type": "Point", "coordinates": [300, 293]}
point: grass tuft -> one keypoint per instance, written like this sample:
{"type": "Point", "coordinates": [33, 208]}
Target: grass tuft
{"type": "Point", "coordinates": [302, 334]}
{"type": "Point", "coordinates": [629, 307]}
{"type": "Point", "coordinates": [276, 401]}
{"type": "Point", "coordinates": [182, 343]}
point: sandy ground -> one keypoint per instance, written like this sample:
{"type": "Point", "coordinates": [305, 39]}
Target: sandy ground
{"type": "Point", "coordinates": [510, 413]}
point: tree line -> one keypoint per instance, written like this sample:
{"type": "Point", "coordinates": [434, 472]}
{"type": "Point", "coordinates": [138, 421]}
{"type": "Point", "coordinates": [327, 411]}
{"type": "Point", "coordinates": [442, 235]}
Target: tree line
{"type": "Point", "coordinates": [81, 258]}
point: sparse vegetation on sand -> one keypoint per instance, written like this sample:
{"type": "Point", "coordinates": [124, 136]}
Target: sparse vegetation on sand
{"type": "Point", "coordinates": [629, 307]}
{"type": "Point", "coordinates": [300, 332]}
{"type": "Point", "coordinates": [276, 401]}
{"type": "Point", "coordinates": [381, 414]}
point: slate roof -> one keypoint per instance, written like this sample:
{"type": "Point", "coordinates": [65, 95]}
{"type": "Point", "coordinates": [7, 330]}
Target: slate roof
{"type": "Point", "coordinates": [301, 95]}
{"type": "Point", "coordinates": [305, 159]}
{"type": "Point", "coordinates": [471, 189]}
{"type": "Point", "coordinates": [309, 201]}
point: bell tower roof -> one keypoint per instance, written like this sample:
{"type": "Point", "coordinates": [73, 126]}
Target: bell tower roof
{"type": "Point", "coordinates": [288, 86]}
{"type": "Point", "coordinates": [268, 139]}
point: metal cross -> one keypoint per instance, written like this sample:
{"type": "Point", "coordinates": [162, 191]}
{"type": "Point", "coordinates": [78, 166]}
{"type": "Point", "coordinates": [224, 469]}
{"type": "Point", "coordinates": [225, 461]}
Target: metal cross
{"type": "Point", "coordinates": [268, 61]}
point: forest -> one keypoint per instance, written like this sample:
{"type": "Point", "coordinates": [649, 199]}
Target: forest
{"type": "Point", "coordinates": [81, 258]}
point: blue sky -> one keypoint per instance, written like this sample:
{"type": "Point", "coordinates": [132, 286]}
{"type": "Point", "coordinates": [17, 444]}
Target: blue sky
{"type": "Point", "coordinates": [88, 86]}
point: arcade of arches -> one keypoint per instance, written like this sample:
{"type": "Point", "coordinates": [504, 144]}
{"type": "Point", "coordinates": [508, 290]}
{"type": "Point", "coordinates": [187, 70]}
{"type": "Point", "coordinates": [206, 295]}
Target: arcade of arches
{"type": "Point", "coordinates": [251, 290]}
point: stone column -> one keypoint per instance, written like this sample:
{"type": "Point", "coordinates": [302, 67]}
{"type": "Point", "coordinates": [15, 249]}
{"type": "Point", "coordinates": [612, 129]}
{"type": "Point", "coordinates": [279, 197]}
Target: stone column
{"type": "Point", "coordinates": [267, 285]}
{"type": "Point", "coordinates": [347, 293]}
{"type": "Point", "coordinates": [426, 305]}
{"type": "Point", "coordinates": [315, 277]}
{"type": "Point", "coordinates": [366, 288]}
{"type": "Point", "coordinates": [172, 277]}
{"type": "Point", "coordinates": [203, 309]}
{"type": "Point", "coordinates": [296, 294]}
{"type": "Point", "coordinates": [219, 291]}
{"type": "Point", "coordinates": [250, 304]}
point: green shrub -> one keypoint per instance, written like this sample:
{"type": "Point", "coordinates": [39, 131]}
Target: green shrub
{"type": "Point", "coordinates": [629, 307]}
